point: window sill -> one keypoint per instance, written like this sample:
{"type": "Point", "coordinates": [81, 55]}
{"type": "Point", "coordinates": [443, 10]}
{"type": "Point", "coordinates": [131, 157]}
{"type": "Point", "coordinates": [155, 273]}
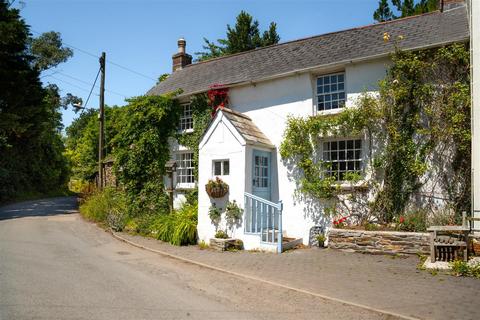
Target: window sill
{"type": "Point", "coordinates": [329, 112]}
{"type": "Point", "coordinates": [185, 131]}
{"type": "Point", "coordinates": [185, 186]}
{"type": "Point", "coordinates": [345, 186]}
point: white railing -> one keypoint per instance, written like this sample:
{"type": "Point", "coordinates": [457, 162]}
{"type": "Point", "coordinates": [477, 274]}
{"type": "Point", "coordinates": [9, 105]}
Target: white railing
{"type": "Point", "coordinates": [264, 218]}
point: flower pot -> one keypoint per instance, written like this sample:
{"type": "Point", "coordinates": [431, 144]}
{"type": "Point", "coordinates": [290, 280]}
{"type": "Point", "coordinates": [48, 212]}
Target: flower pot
{"type": "Point", "coordinates": [321, 245]}
{"type": "Point", "coordinates": [216, 192]}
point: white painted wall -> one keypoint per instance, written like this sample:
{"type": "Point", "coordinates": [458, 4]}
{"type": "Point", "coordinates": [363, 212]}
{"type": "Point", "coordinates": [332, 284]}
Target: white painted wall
{"type": "Point", "coordinates": [270, 103]}
{"type": "Point", "coordinates": [221, 145]}
{"type": "Point", "coordinates": [474, 7]}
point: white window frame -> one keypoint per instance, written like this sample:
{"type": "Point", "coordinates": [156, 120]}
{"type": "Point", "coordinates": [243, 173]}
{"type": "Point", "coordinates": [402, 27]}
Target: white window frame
{"type": "Point", "coordinates": [186, 120]}
{"type": "Point", "coordinates": [183, 179]}
{"type": "Point", "coordinates": [360, 170]}
{"type": "Point", "coordinates": [222, 167]}
{"type": "Point", "coordinates": [323, 94]}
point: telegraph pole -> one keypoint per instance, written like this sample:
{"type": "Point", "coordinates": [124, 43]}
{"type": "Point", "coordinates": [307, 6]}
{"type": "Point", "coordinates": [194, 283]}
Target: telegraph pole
{"type": "Point", "coordinates": [101, 136]}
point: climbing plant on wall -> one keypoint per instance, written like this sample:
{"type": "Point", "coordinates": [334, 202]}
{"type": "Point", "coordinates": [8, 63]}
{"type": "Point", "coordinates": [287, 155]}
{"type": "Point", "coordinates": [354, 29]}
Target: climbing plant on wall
{"type": "Point", "coordinates": [418, 135]}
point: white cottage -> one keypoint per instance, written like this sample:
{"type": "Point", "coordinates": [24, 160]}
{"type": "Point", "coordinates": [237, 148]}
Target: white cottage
{"type": "Point", "coordinates": [317, 75]}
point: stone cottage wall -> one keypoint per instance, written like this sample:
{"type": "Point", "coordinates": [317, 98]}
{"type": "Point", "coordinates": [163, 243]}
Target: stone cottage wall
{"type": "Point", "coordinates": [379, 242]}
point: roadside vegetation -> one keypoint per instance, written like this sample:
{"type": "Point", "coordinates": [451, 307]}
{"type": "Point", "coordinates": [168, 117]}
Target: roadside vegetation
{"type": "Point", "coordinates": [32, 161]}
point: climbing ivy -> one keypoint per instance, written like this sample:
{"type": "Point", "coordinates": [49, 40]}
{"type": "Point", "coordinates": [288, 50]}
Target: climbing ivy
{"type": "Point", "coordinates": [418, 135]}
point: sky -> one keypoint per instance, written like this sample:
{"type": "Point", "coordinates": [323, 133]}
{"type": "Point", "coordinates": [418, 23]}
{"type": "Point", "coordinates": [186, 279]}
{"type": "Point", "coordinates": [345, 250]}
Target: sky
{"type": "Point", "coordinates": [140, 36]}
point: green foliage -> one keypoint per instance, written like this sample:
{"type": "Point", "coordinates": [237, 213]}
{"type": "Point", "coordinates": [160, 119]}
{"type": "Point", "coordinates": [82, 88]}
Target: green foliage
{"type": "Point", "coordinates": [422, 114]}
{"type": "Point", "coordinates": [461, 268]}
{"type": "Point", "coordinates": [404, 7]}
{"type": "Point", "coordinates": [413, 221]}
{"type": "Point", "coordinates": [48, 50]}
{"type": "Point", "coordinates": [31, 148]}
{"type": "Point", "coordinates": [321, 239]}
{"type": "Point", "coordinates": [178, 228]}
{"type": "Point", "coordinates": [215, 215]}
{"type": "Point", "coordinates": [243, 37]}
{"type": "Point", "coordinates": [220, 234]}
{"type": "Point", "coordinates": [141, 149]}
{"type": "Point", "coordinates": [233, 214]}
{"type": "Point", "coordinates": [201, 115]}
{"type": "Point", "coordinates": [98, 207]}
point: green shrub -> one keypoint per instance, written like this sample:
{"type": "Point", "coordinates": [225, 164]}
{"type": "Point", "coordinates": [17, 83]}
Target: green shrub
{"type": "Point", "coordinates": [221, 234]}
{"type": "Point", "coordinates": [461, 268]}
{"type": "Point", "coordinates": [185, 225]}
{"type": "Point", "coordinates": [178, 228]}
{"type": "Point", "coordinates": [97, 207]}
{"type": "Point", "coordinates": [413, 222]}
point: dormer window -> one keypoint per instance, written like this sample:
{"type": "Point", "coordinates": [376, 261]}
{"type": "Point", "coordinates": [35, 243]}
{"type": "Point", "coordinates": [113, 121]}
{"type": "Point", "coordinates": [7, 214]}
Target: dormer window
{"type": "Point", "coordinates": [331, 91]}
{"type": "Point", "coordinates": [186, 118]}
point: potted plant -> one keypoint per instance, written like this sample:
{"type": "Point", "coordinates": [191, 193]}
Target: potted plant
{"type": "Point", "coordinates": [233, 215]}
{"type": "Point", "coordinates": [320, 240]}
{"type": "Point", "coordinates": [216, 188]}
{"type": "Point", "coordinates": [215, 214]}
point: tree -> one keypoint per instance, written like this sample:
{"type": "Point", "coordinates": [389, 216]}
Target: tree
{"type": "Point", "coordinates": [383, 13]}
{"type": "Point", "coordinates": [48, 50]}
{"type": "Point", "coordinates": [31, 148]}
{"type": "Point", "coordinates": [244, 36]}
{"type": "Point", "coordinates": [404, 7]}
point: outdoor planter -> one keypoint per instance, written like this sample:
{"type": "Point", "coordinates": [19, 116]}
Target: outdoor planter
{"type": "Point", "coordinates": [216, 188]}
{"type": "Point", "coordinates": [226, 244]}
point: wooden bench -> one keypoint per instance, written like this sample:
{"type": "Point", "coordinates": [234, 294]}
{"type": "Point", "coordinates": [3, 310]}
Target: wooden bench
{"type": "Point", "coordinates": [446, 241]}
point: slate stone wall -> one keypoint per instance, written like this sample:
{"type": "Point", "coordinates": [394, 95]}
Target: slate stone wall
{"type": "Point", "coordinates": [379, 242]}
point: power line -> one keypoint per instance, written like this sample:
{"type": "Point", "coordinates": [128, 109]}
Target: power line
{"type": "Point", "coordinates": [108, 61]}
{"type": "Point", "coordinates": [69, 83]}
{"type": "Point", "coordinates": [93, 86]}
{"type": "Point", "coordinates": [86, 82]}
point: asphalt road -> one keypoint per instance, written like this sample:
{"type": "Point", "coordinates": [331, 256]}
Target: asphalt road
{"type": "Point", "coordinates": [54, 265]}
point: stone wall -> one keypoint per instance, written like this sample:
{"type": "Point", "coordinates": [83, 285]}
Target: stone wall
{"type": "Point", "coordinates": [379, 242]}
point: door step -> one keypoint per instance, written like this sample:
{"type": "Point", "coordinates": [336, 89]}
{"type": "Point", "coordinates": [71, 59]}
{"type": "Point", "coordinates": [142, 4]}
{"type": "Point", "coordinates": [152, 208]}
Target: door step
{"type": "Point", "coordinates": [290, 243]}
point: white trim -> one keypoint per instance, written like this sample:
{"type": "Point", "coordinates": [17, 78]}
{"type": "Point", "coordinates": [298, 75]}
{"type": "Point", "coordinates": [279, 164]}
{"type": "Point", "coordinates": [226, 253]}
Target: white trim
{"type": "Point", "coordinates": [219, 118]}
{"type": "Point", "coordinates": [315, 92]}
{"type": "Point", "coordinates": [222, 167]}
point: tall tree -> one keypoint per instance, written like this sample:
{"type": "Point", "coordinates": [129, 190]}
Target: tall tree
{"type": "Point", "coordinates": [31, 148]}
{"type": "Point", "coordinates": [383, 12]}
{"type": "Point", "coordinates": [244, 36]}
{"type": "Point", "coordinates": [48, 50]}
{"type": "Point", "coordinates": [404, 9]}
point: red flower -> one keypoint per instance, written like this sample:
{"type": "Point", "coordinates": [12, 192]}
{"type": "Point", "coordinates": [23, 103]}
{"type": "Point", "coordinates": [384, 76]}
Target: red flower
{"type": "Point", "coordinates": [402, 219]}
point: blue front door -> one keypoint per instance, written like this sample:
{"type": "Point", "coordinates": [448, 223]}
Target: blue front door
{"type": "Point", "coordinates": [261, 182]}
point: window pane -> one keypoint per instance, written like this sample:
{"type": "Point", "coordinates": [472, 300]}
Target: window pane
{"type": "Point", "coordinates": [341, 78]}
{"type": "Point", "coordinates": [226, 168]}
{"type": "Point", "coordinates": [350, 144]}
{"type": "Point", "coordinates": [217, 168]}
{"type": "Point", "coordinates": [341, 145]}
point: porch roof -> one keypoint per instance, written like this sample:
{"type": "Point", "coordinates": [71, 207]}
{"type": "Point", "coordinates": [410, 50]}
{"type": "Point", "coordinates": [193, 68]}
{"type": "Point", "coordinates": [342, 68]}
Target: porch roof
{"type": "Point", "coordinates": [247, 129]}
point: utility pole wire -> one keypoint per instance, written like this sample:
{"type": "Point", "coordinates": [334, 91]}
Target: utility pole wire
{"type": "Point", "coordinates": [93, 86]}
{"type": "Point", "coordinates": [86, 82]}
{"type": "Point", "coordinates": [110, 62]}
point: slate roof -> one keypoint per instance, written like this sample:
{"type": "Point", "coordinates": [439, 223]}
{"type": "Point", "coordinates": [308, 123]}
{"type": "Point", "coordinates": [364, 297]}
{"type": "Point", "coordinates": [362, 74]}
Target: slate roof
{"type": "Point", "coordinates": [247, 129]}
{"type": "Point", "coordinates": [422, 31]}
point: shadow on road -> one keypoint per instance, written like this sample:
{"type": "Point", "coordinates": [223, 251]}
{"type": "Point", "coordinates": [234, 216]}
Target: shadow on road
{"type": "Point", "coordinates": [39, 208]}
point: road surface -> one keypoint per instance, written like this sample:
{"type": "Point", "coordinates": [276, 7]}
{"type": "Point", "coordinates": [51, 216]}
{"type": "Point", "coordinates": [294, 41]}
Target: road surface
{"type": "Point", "coordinates": [55, 265]}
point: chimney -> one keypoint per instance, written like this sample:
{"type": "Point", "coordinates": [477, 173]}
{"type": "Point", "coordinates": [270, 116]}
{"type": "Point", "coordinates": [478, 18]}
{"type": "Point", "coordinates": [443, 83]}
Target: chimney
{"type": "Point", "coordinates": [181, 58]}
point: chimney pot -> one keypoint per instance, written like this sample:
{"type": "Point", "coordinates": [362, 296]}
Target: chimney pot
{"type": "Point", "coordinates": [181, 45]}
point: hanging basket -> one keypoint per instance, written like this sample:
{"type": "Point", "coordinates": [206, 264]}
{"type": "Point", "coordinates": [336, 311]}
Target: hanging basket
{"type": "Point", "coordinates": [216, 188]}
